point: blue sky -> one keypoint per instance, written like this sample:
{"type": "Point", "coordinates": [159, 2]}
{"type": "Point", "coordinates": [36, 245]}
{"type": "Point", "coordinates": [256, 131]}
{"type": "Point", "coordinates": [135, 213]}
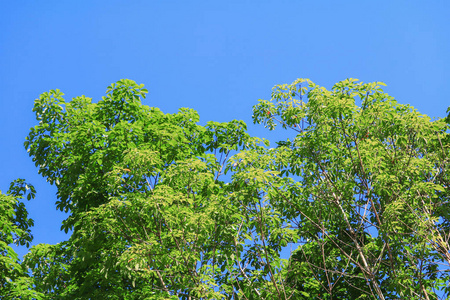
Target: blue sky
{"type": "Point", "coordinates": [217, 57]}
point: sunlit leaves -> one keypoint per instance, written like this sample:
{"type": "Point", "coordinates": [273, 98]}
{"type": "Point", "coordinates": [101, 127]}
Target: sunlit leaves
{"type": "Point", "coordinates": [363, 163]}
{"type": "Point", "coordinates": [360, 191]}
{"type": "Point", "coordinates": [150, 216]}
{"type": "Point", "coordinates": [15, 227]}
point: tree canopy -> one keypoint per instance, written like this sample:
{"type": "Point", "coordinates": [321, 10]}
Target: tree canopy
{"type": "Point", "coordinates": [366, 186]}
{"type": "Point", "coordinates": [161, 207]}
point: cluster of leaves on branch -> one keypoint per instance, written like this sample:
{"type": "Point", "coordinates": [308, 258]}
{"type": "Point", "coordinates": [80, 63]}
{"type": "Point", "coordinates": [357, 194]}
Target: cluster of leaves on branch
{"type": "Point", "coordinates": [15, 226]}
{"type": "Point", "coordinates": [163, 208]}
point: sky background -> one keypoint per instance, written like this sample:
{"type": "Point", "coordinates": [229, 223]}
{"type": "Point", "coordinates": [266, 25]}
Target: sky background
{"type": "Point", "coordinates": [217, 57]}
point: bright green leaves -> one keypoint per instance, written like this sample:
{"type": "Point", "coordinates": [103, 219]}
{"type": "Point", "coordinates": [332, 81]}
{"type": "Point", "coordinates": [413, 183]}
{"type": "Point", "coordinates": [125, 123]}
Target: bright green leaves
{"type": "Point", "coordinates": [49, 265]}
{"type": "Point", "coordinates": [286, 105]}
{"type": "Point", "coordinates": [226, 137]}
{"type": "Point", "coordinates": [15, 222]}
{"type": "Point", "coordinates": [122, 103]}
{"type": "Point", "coordinates": [93, 139]}
{"type": "Point", "coordinates": [15, 229]}
{"type": "Point", "coordinates": [171, 231]}
{"type": "Point", "coordinates": [147, 207]}
{"type": "Point", "coordinates": [360, 189]}
{"type": "Point", "coordinates": [49, 106]}
{"type": "Point", "coordinates": [363, 164]}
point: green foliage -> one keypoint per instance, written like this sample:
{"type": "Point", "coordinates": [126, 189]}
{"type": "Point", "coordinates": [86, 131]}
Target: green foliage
{"type": "Point", "coordinates": [366, 187]}
{"type": "Point", "coordinates": [15, 229]}
{"type": "Point", "coordinates": [163, 208]}
{"type": "Point", "coordinates": [150, 217]}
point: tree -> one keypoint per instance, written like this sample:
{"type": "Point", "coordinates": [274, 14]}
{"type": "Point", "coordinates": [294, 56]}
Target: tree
{"type": "Point", "coordinates": [150, 215]}
{"type": "Point", "coordinates": [15, 229]}
{"type": "Point", "coordinates": [364, 187]}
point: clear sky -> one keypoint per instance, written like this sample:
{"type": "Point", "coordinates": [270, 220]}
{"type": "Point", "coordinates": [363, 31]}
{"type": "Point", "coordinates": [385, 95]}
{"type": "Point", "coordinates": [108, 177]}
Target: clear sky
{"type": "Point", "coordinates": [217, 57]}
